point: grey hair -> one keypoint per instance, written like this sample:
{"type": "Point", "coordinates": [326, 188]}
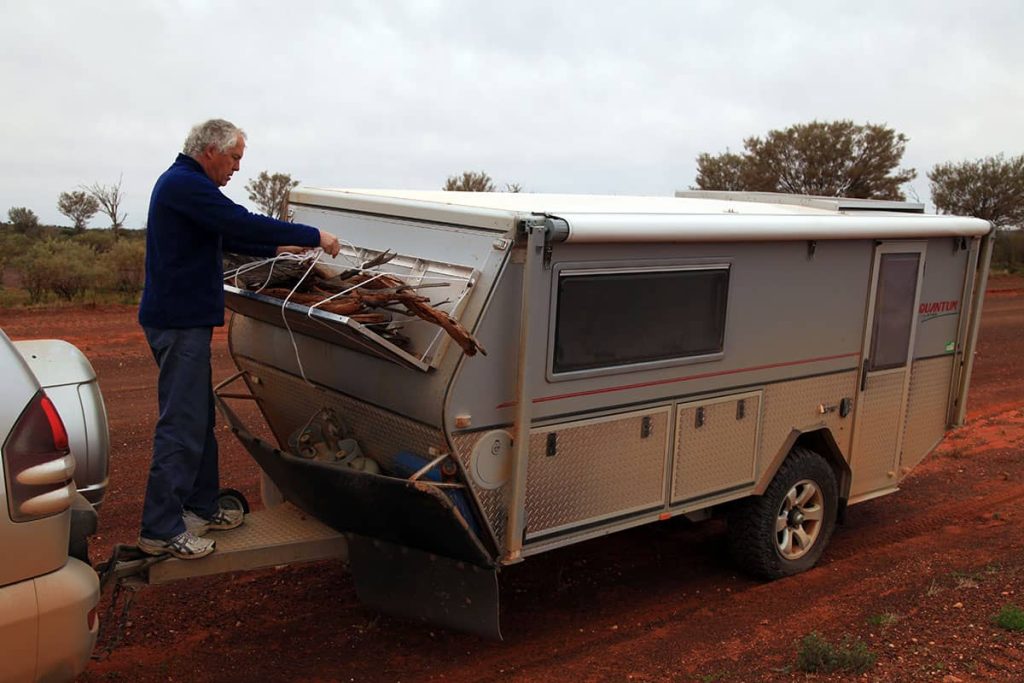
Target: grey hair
{"type": "Point", "coordinates": [217, 132]}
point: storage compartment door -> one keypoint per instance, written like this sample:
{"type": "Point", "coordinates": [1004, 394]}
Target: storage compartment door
{"type": "Point", "coordinates": [716, 446]}
{"type": "Point", "coordinates": [585, 472]}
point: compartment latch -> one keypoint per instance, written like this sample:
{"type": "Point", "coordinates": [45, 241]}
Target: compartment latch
{"type": "Point", "coordinates": [646, 427]}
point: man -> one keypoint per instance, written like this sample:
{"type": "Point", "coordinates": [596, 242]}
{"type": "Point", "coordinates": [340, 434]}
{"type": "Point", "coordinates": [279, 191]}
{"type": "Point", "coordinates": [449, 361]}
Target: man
{"type": "Point", "coordinates": [190, 223]}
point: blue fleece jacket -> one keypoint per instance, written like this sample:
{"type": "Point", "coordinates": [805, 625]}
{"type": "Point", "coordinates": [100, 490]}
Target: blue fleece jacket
{"type": "Point", "coordinates": [190, 224]}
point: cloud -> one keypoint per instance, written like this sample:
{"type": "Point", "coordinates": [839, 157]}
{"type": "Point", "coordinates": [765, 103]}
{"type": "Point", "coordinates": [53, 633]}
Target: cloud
{"type": "Point", "coordinates": [572, 97]}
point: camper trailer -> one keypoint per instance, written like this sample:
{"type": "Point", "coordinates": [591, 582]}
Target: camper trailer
{"type": "Point", "coordinates": [770, 358]}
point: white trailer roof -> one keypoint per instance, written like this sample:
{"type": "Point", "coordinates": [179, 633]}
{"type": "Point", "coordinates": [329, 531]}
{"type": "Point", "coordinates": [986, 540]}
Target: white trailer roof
{"type": "Point", "coordinates": [613, 218]}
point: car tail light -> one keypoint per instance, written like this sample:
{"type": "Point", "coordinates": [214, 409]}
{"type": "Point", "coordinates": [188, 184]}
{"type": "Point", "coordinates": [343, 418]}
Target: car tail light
{"type": "Point", "coordinates": [37, 463]}
{"type": "Point", "coordinates": [57, 431]}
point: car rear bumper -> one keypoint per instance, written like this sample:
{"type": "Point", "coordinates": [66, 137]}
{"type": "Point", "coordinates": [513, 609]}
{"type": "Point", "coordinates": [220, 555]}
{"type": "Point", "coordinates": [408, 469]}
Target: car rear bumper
{"type": "Point", "coordinates": [45, 630]}
{"type": "Point", "coordinates": [67, 631]}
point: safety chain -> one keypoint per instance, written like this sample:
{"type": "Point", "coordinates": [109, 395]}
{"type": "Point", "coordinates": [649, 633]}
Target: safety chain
{"type": "Point", "coordinates": [126, 568]}
{"type": "Point", "coordinates": [110, 640]}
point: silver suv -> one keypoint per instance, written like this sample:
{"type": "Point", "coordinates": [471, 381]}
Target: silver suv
{"type": "Point", "coordinates": [48, 623]}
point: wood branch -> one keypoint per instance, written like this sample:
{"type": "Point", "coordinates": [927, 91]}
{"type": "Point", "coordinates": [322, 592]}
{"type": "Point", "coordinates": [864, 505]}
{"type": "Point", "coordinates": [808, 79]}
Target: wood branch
{"type": "Point", "coordinates": [278, 273]}
{"type": "Point", "coordinates": [339, 306]}
{"type": "Point", "coordinates": [378, 260]}
{"type": "Point", "coordinates": [376, 318]}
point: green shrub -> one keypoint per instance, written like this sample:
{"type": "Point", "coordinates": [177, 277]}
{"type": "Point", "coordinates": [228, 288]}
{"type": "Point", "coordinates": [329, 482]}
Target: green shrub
{"type": "Point", "coordinates": [101, 241]}
{"type": "Point", "coordinates": [10, 298]}
{"type": "Point", "coordinates": [63, 267]}
{"type": "Point", "coordinates": [12, 244]}
{"type": "Point", "coordinates": [24, 220]}
{"type": "Point", "coordinates": [124, 266]}
{"type": "Point", "coordinates": [1011, 618]}
{"type": "Point", "coordinates": [816, 655]}
{"type": "Point", "coordinates": [883, 619]}
{"type": "Point", "coordinates": [57, 264]}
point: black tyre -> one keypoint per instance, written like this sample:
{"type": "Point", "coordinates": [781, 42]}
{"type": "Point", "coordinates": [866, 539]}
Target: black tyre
{"type": "Point", "coordinates": [232, 499]}
{"type": "Point", "coordinates": [785, 530]}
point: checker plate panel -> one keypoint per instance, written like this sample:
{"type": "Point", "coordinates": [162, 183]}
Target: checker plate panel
{"type": "Point", "coordinates": [279, 535]}
{"type": "Point", "coordinates": [719, 454]}
{"type": "Point", "coordinates": [602, 468]}
{"type": "Point", "coordinates": [794, 405]}
{"type": "Point", "coordinates": [492, 502]}
{"type": "Point", "coordinates": [878, 432]}
{"type": "Point", "coordinates": [926, 408]}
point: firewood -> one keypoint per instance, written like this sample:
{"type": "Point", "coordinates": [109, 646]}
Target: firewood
{"type": "Point", "coordinates": [367, 296]}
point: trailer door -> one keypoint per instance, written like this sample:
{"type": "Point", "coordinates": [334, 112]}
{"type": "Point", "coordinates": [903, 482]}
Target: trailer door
{"type": "Point", "coordinates": [886, 360]}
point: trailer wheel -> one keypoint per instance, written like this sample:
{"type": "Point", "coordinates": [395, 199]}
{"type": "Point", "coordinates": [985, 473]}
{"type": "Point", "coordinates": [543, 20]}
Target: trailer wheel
{"type": "Point", "coordinates": [232, 499]}
{"type": "Point", "coordinates": [785, 530]}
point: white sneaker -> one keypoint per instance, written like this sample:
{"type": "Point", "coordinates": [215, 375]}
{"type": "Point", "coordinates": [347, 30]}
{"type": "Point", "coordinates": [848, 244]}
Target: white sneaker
{"type": "Point", "coordinates": [184, 546]}
{"type": "Point", "coordinates": [194, 523]}
{"type": "Point", "coordinates": [222, 520]}
{"type": "Point", "coordinates": [225, 518]}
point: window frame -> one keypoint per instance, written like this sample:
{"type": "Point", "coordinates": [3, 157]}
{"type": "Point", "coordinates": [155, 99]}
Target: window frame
{"type": "Point", "coordinates": [570, 269]}
{"type": "Point", "coordinates": [876, 330]}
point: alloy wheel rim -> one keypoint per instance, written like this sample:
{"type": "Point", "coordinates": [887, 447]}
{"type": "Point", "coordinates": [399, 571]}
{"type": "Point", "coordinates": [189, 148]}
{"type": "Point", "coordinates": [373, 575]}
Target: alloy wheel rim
{"type": "Point", "coordinates": [799, 519]}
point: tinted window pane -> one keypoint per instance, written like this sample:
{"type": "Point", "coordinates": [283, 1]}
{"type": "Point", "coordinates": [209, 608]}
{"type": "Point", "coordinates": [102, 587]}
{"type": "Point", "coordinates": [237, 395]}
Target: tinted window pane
{"type": "Point", "coordinates": [605, 320]}
{"type": "Point", "coordinates": [894, 310]}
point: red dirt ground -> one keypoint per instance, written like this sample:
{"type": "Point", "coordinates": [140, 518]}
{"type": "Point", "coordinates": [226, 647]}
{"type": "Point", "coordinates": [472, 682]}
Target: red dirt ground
{"type": "Point", "coordinates": [917, 576]}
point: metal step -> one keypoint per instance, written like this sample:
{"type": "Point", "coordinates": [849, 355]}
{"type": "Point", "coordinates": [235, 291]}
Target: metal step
{"type": "Point", "coordinates": [279, 535]}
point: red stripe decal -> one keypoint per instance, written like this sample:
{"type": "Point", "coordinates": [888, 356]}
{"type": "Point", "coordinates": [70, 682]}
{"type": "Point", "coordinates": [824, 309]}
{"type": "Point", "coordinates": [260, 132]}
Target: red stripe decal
{"type": "Point", "coordinates": [687, 378]}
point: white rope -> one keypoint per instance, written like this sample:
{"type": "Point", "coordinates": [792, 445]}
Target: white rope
{"type": "Point", "coordinates": [312, 256]}
{"type": "Point", "coordinates": [356, 258]}
{"type": "Point", "coordinates": [359, 257]}
{"type": "Point", "coordinates": [253, 265]}
{"type": "Point", "coordinates": [421, 277]}
{"type": "Point", "coordinates": [309, 314]}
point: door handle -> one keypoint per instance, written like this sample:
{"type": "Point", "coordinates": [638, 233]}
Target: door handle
{"type": "Point", "coordinates": [864, 375]}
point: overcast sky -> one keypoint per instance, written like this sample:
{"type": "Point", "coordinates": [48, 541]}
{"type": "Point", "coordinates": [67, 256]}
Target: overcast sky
{"type": "Point", "coordinates": [588, 97]}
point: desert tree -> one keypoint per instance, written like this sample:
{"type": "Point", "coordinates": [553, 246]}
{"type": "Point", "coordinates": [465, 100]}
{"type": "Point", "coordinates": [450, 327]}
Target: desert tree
{"type": "Point", "coordinates": [79, 206]}
{"type": "Point", "coordinates": [513, 187]}
{"type": "Point", "coordinates": [469, 181]}
{"type": "Point", "coordinates": [109, 198]}
{"type": "Point", "coordinates": [829, 158]}
{"type": "Point", "coordinates": [991, 188]}
{"type": "Point", "coordinates": [720, 171]}
{"type": "Point", "coordinates": [270, 193]}
{"type": "Point", "coordinates": [23, 219]}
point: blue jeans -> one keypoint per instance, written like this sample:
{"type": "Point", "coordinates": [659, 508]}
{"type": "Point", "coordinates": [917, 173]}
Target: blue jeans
{"type": "Point", "coordinates": [184, 472]}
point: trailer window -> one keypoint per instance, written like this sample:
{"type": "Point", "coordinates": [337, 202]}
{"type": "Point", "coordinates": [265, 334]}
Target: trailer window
{"type": "Point", "coordinates": [621, 318]}
{"type": "Point", "coordinates": [894, 310]}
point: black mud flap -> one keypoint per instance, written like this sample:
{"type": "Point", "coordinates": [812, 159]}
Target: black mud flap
{"type": "Point", "coordinates": [412, 584]}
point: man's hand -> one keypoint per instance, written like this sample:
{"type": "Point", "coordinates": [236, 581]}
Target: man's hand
{"type": "Point", "coordinates": [329, 243]}
{"type": "Point", "coordinates": [291, 250]}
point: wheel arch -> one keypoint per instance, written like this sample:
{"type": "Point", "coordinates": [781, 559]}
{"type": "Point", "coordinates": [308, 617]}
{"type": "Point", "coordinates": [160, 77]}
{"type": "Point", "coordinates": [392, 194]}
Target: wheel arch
{"type": "Point", "coordinates": [820, 440]}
